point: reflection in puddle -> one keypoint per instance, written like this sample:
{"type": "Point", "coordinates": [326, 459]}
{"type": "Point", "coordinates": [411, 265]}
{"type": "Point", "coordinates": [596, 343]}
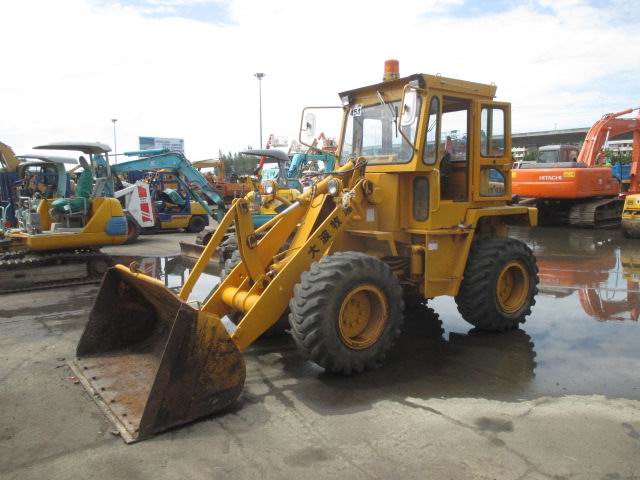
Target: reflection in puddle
{"type": "Point", "coordinates": [582, 337]}
{"type": "Point", "coordinates": [174, 271]}
{"type": "Point", "coordinates": [585, 322]}
{"type": "Point", "coordinates": [599, 267]}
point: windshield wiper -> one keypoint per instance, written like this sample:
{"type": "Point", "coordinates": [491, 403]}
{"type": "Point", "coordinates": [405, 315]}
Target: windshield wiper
{"type": "Point", "coordinates": [393, 111]}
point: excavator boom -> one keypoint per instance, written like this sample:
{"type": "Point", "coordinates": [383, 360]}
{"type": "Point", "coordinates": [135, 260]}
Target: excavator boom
{"type": "Point", "coordinates": [176, 161]}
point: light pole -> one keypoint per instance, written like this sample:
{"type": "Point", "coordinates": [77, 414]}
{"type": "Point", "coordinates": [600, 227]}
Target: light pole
{"type": "Point", "coordinates": [115, 144]}
{"type": "Point", "coordinates": [259, 76]}
{"type": "Point", "coordinates": [602, 99]}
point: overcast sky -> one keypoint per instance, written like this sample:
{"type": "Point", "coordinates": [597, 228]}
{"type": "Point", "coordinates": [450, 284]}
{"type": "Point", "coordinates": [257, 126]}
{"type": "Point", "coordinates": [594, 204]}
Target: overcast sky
{"type": "Point", "coordinates": [184, 68]}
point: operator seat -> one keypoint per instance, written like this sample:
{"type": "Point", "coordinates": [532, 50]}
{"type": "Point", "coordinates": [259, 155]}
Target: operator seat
{"type": "Point", "coordinates": [79, 205]}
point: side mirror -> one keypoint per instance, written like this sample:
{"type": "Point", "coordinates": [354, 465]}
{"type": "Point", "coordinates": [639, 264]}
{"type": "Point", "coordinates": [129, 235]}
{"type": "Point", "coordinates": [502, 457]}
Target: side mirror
{"type": "Point", "coordinates": [309, 125]}
{"type": "Point", "coordinates": [409, 108]}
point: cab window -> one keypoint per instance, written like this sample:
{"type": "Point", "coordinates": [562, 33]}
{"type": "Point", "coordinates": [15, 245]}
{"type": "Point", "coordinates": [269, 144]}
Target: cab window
{"type": "Point", "coordinates": [371, 132]}
{"type": "Point", "coordinates": [454, 148]}
{"type": "Point", "coordinates": [492, 132]}
{"type": "Point", "coordinates": [493, 182]}
{"type": "Point", "coordinates": [431, 139]}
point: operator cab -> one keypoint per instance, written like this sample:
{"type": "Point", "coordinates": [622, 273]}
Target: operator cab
{"type": "Point", "coordinates": [433, 141]}
{"type": "Point", "coordinates": [92, 182]}
{"type": "Point", "coordinates": [43, 176]}
{"type": "Point", "coordinates": [556, 156]}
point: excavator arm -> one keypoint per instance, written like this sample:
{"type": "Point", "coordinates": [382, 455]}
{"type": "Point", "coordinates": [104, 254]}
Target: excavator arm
{"type": "Point", "coordinates": [176, 162]}
{"type": "Point", "coordinates": [609, 126]}
{"type": "Point", "coordinates": [634, 178]}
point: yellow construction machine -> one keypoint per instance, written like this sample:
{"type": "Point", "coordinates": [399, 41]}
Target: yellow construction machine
{"type": "Point", "coordinates": [631, 217]}
{"type": "Point", "coordinates": [57, 241]}
{"type": "Point", "coordinates": [409, 213]}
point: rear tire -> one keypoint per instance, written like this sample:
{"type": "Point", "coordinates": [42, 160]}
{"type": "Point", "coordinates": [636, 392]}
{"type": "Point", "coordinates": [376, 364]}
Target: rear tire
{"type": "Point", "coordinates": [196, 224]}
{"type": "Point", "coordinates": [133, 230]}
{"type": "Point", "coordinates": [346, 312]}
{"type": "Point", "coordinates": [499, 286]}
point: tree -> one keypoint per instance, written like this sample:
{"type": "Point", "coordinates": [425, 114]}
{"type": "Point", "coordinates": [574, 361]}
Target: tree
{"type": "Point", "coordinates": [238, 163]}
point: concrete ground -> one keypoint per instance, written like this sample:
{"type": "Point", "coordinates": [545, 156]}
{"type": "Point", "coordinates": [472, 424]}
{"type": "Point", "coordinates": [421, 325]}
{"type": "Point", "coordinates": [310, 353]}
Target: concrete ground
{"type": "Point", "coordinates": [558, 399]}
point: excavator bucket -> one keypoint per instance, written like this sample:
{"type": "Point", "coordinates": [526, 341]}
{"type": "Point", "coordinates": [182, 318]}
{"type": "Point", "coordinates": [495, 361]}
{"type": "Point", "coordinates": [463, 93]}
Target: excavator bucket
{"type": "Point", "coordinates": [151, 361]}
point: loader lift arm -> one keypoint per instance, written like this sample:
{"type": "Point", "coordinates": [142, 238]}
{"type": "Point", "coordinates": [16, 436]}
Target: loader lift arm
{"type": "Point", "coordinates": [251, 287]}
{"type": "Point", "coordinates": [183, 361]}
{"type": "Point", "coordinates": [176, 162]}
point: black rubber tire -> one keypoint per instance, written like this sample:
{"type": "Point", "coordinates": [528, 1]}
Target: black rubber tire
{"type": "Point", "coordinates": [196, 224]}
{"type": "Point", "coordinates": [133, 230]}
{"type": "Point", "coordinates": [476, 300]}
{"type": "Point", "coordinates": [315, 308]}
{"type": "Point", "coordinates": [99, 266]}
{"type": "Point", "coordinates": [205, 235]}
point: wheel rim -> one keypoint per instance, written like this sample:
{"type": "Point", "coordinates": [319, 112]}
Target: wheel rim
{"type": "Point", "coordinates": [512, 288]}
{"type": "Point", "coordinates": [363, 315]}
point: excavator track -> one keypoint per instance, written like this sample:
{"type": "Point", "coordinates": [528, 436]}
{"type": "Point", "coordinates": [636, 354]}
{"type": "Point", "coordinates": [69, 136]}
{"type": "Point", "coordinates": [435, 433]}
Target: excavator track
{"type": "Point", "coordinates": [599, 213]}
{"type": "Point", "coordinates": [23, 272]}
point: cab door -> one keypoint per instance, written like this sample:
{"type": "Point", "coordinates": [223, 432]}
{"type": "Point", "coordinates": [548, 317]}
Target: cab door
{"type": "Point", "coordinates": [491, 152]}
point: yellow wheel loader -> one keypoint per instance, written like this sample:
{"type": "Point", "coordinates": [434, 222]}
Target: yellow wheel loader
{"type": "Point", "coordinates": [57, 240]}
{"type": "Point", "coordinates": [417, 208]}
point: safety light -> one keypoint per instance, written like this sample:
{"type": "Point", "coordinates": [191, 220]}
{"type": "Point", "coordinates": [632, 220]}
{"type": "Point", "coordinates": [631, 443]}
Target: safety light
{"type": "Point", "coordinates": [391, 70]}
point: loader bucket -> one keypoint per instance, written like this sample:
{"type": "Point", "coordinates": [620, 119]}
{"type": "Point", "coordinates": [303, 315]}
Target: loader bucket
{"type": "Point", "coordinates": [151, 361]}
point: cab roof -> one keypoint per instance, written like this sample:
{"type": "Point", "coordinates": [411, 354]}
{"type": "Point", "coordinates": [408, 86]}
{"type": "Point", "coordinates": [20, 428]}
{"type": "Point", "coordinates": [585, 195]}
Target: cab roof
{"type": "Point", "coordinates": [84, 147]}
{"type": "Point", "coordinates": [48, 158]}
{"type": "Point", "coordinates": [431, 81]}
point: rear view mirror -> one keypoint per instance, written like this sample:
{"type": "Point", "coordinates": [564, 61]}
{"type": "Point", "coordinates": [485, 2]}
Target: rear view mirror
{"type": "Point", "coordinates": [309, 125]}
{"type": "Point", "coordinates": [409, 108]}
{"type": "Point", "coordinates": [319, 126]}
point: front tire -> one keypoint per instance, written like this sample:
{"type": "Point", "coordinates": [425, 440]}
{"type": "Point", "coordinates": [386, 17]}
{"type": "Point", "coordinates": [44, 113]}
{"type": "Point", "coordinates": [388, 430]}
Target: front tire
{"type": "Point", "coordinates": [346, 312]}
{"type": "Point", "coordinates": [196, 224]}
{"type": "Point", "coordinates": [499, 286]}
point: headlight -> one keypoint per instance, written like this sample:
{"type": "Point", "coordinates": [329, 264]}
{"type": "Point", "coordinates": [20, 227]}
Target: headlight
{"type": "Point", "coordinates": [333, 187]}
{"type": "Point", "coordinates": [269, 188]}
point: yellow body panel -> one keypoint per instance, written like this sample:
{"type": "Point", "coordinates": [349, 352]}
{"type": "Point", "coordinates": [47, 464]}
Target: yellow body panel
{"type": "Point", "coordinates": [176, 222]}
{"type": "Point", "coordinates": [631, 216]}
{"type": "Point", "coordinates": [631, 206]}
{"type": "Point", "coordinates": [93, 234]}
{"type": "Point", "coordinates": [179, 221]}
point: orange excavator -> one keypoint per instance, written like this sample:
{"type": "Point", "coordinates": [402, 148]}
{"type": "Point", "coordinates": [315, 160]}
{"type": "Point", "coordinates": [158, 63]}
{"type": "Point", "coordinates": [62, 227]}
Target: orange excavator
{"type": "Point", "coordinates": [582, 193]}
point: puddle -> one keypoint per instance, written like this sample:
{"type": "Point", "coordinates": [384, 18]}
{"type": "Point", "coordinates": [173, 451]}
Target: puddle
{"type": "Point", "coordinates": [584, 328]}
{"type": "Point", "coordinates": [582, 337]}
{"type": "Point", "coordinates": [174, 271]}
